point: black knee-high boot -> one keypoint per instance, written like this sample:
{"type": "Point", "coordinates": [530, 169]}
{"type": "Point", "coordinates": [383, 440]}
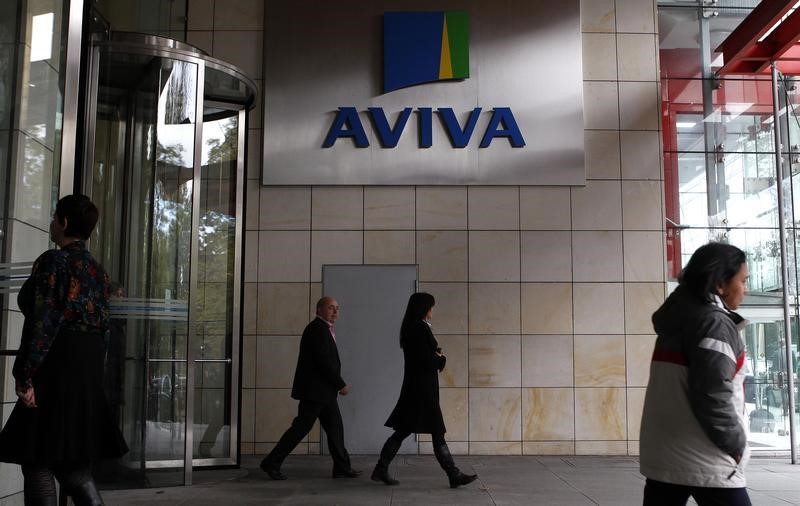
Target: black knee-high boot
{"type": "Point", "coordinates": [80, 485]}
{"type": "Point", "coordinates": [454, 475]}
{"type": "Point", "coordinates": [389, 450]}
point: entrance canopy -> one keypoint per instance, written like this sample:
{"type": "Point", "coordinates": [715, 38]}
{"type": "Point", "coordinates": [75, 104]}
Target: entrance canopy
{"type": "Point", "coordinates": [769, 33]}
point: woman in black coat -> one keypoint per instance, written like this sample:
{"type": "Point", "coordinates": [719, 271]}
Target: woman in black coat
{"type": "Point", "coordinates": [418, 409]}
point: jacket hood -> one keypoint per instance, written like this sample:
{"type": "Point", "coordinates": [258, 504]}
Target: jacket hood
{"type": "Point", "coordinates": [683, 306]}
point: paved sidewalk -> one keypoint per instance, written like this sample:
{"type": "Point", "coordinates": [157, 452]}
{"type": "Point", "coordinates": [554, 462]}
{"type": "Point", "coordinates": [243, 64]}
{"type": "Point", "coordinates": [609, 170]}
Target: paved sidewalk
{"type": "Point", "coordinates": [501, 481]}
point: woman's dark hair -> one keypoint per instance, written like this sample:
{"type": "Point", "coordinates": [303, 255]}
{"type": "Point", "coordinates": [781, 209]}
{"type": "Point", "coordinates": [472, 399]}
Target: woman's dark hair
{"type": "Point", "coordinates": [80, 213]}
{"type": "Point", "coordinates": [711, 265]}
{"type": "Point", "coordinates": [418, 306]}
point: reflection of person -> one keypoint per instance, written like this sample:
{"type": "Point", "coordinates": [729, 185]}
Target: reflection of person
{"type": "Point", "coordinates": [61, 422]}
{"type": "Point", "coordinates": [693, 439]}
{"type": "Point", "coordinates": [418, 409]}
{"type": "Point", "coordinates": [317, 381]}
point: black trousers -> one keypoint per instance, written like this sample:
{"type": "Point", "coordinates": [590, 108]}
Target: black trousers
{"type": "Point", "coordinates": [657, 493]}
{"type": "Point", "coordinates": [331, 421]}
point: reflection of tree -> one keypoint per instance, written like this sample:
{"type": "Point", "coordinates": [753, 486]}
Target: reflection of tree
{"type": "Point", "coordinates": [171, 155]}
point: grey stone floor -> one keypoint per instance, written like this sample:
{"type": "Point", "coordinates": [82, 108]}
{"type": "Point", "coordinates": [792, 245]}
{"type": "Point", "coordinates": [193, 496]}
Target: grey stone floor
{"type": "Point", "coordinates": [501, 481]}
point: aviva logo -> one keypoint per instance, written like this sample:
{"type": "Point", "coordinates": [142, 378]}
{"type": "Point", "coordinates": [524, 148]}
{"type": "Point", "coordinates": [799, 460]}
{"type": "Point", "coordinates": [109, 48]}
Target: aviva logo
{"type": "Point", "coordinates": [422, 47]}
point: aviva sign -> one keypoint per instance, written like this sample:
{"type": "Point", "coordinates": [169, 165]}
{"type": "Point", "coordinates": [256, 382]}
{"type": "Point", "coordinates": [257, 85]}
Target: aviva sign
{"type": "Point", "coordinates": [422, 47]}
{"type": "Point", "coordinates": [385, 92]}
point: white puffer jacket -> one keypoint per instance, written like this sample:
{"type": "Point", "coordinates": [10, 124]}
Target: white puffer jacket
{"type": "Point", "coordinates": [693, 419]}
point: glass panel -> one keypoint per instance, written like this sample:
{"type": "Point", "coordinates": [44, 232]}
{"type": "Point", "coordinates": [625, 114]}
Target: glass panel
{"type": "Point", "coordinates": [216, 273]}
{"type": "Point", "coordinates": [142, 180]}
{"type": "Point", "coordinates": [766, 384]}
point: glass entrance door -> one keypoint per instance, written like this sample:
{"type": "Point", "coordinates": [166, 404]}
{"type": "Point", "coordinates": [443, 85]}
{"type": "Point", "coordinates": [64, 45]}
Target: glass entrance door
{"type": "Point", "coordinates": [165, 153]}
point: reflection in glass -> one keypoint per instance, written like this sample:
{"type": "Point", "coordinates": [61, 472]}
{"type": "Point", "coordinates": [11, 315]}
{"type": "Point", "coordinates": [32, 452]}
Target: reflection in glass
{"type": "Point", "coordinates": [217, 236]}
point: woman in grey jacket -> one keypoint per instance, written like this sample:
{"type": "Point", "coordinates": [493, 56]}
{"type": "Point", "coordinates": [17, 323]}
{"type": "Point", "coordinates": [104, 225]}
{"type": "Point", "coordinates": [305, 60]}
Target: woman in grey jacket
{"type": "Point", "coordinates": [693, 439]}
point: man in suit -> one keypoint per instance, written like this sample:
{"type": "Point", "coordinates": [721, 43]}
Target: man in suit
{"type": "Point", "coordinates": [317, 382]}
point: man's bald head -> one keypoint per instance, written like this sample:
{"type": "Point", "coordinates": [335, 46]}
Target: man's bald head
{"type": "Point", "coordinates": [328, 309]}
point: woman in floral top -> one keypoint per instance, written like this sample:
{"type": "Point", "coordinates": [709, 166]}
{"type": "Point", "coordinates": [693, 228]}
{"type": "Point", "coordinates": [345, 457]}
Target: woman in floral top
{"type": "Point", "coordinates": [61, 422]}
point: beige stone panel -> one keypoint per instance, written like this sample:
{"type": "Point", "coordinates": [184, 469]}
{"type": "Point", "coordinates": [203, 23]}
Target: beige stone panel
{"type": "Point", "coordinates": [247, 448]}
{"type": "Point", "coordinates": [200, 14]}
{"type": "Point", "coordinates": [638, 355]}
{"type": "Point", "coordinates": [249, 361]}
{"type": "Point", "coordinates": [248, 415]}
{"type": "Point", "coordinates": [315, 293]}
{"type": "Point", "coordinates": [599, 361]}
{"type": "Point", "coordinates": [641, 301]}
{"type": "Point", "coordinates": [282, 308]}
{"type": "Point", "coordinates": [283, 255]}
{"type": "Point", "coordinates": [284, 208]}
{"type": "Point", "coordinates": [389, 247]}
{"type": "Point", "coordinates": [602, 154]}
{"type": "Point", "coordinates": [254, 154]}
{"type": "Point", "coordinates": [494, 361]}
{"type": "Point", "coordinates": [494, 308]}
{"type": "Point", "coordinates": [455, 403]}
{"type": "Point", "coordinates": [599, 57]}
{"type": "Point", "coordinates": [442, 255]}
{"type": "Point", "coordinates": [493, 256]}
{"type": "Point", "coordinates": [596, 206]}
{"type": "Point", "coordinates": [600, 105]}
{"type": "Point", "coordinates": [314, 449]}
{"type": "Point", "coordinates": [635, 16]}
{"type": "Point", "coordinates": [493, 208]}
{"type": "Point", "coordinates": [599, 308]}
{"type": "Point", "coordinates": [252, 209]}
{"type": "Point", "coordinates": [597, 16]}
{"type": "Point", "coordinates": [495, 448]}
{"type": "Point", "coordinates": [633, 448]}
{"type": "Point", "coordinates": [442, 208]}
{"type": "Point", "coordinates": [314, 435]}
{"type": "Point", "coordinates": [635, 406]}
{"type": "Point", "coordinates": [239, 15]}
{"type": "Point", "coordinates": [547, 361]}
{"type": "Point", "coordinates": [641, 205]}
{"type": "Point", "coordinates": [337, 208]}
{"type": "Point", "coordinates": [597, 255]}
{"type": "Point", "coordinates": [548, 448]}
{"type": "Point", "coordinates": [641, 154]}
{"type": "Point", "coordinates": [548, 414]}
{"type": "Point", "coordinates": [546, 308]}
{"type": "Point", "coordinates": [241, 48]}
{"type": "Point", "coordinates": [450, 312]}
{"type": "Point", "coordinates": [494, 414]}
{"type": "Point", "coordinates": [544, 208]}
{"type": "Point", "coordinates": [335, 248]}
{"type": "Point", "coordinates": [456, 349]}
{"type": "Point", "coordinates": [250, 305]}
{"type": "Point", "coordinates": [201, 39]}
{"type": "Point", "coordinates": [275, 410]}
{"type": "Point", "coordinates": [251, 256]}
{"type": "Point", "coordinates": [389, 208]}
{"type": "Point", "coordinates": [546, 256]}
{"type": "Point", "coordinates": [639, 106]}
{"type": "Point", "coordinates": [601, 448]}
{"type": "Point", "coordinates": [277, 359]}
{"type": "Point", "coordinates": [643, 258]}
{"type": "Point", "coordinates": [636, 57]}
{"type": "Point", "coordinates": [456, 447]}
{"type": "Point", "coordinates": [600, 414]}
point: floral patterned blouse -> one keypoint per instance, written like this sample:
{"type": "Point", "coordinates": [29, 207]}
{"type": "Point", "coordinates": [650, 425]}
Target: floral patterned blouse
{"type": "Point", "coordinates": [67, 288]}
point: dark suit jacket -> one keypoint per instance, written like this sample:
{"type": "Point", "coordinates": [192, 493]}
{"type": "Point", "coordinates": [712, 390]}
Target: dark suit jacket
{"type": "Point", "coordinates": [318, 374]}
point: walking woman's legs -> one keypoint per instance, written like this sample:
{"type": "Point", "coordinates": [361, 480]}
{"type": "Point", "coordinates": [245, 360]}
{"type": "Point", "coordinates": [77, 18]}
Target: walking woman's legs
{"type": "Point", "coordinates": [442, 452]}
{"type": "Point", "coordinates": [40, 487]}
{"type": "Point", "coordinates": [389, 450]}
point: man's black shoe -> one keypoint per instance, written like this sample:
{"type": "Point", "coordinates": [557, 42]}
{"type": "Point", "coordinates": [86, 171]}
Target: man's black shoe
{"type": "Point", "coordinates": [272, 470]}
{"type": "Point", "coordinates": [347, 473]}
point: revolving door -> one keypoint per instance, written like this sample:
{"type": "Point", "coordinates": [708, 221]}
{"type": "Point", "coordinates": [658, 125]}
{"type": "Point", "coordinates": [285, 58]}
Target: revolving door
{"type": "Point", "coordinates": [164, 162]}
